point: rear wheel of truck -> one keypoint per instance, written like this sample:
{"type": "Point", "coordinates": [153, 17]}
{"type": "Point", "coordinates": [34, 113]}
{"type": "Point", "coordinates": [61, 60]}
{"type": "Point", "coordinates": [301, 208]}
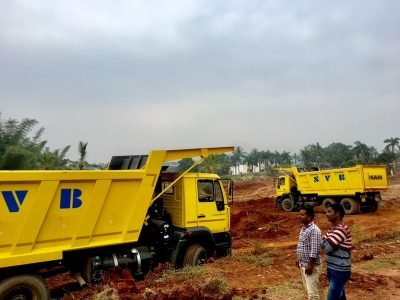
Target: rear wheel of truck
{"type": "Point", "coordinates": [351, 206]}
{"type": "Point", "coordinates": [288, 204]}
{"type": "Point", "coordinates": [24, 287]}
{"type": "Point", "coordinates": [326, 202]}
{"type": "Point", "coordinates": [195, 255]}
{"type": "Point", "coordinates": [374, 206]}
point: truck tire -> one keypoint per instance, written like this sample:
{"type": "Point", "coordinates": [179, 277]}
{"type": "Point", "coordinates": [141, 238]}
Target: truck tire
{"type": "Point", "coordinates": [288, 204]}
{"type": "Point", "coordinates": [374, 206]}
{"type": "Point", "coordinates": [326, 202]}
{"type": "Point", "coordinates": [86, 271]}
{"type": "Point", "coordinates": [195, 255]}
{"type": "Point", "coordinates": [28, 286]}
{"type": "Point", "coordinates": [351, 206]}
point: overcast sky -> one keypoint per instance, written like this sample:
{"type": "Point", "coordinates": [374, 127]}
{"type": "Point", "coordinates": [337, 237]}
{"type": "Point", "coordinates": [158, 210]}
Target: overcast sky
{"type": "Point", "coordinates": [131, 76]}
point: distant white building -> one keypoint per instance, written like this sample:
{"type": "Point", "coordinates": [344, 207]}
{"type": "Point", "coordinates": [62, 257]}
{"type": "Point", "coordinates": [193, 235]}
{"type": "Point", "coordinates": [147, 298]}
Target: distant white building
{"type": "Point", "coordinates": [244, 169]}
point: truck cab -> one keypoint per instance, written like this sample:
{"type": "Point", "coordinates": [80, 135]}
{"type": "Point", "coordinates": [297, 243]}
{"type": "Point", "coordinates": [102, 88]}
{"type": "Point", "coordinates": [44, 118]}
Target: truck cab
{"type": "Point", "coordinates": [197, 200]}
{"type": "Point", "coordinates": [198, 206]}
{"type": "Point", "coordinates": [286, 185]}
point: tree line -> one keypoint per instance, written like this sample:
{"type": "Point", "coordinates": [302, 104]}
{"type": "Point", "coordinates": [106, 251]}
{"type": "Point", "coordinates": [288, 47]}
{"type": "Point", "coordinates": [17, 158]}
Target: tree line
{"type": "Point", "coordinates": [23, 148]}
{"type": "Point", "coordinates": [335, 155]}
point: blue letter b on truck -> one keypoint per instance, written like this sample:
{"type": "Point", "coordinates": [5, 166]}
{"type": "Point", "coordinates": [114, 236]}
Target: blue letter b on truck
{"type": "Point", "coordinates": [70, 198]}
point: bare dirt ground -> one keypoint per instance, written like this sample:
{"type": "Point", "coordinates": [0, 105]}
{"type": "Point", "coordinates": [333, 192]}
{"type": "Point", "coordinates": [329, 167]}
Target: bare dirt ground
{"type": "Point", "coordinates": [262, 265]}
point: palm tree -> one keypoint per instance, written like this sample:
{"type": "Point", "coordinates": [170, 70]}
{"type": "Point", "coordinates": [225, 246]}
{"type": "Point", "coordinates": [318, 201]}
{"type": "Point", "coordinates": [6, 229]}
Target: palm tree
{"type": "Point", "coordinates": [82, 155]}
{"type": "Point", "coordinates": [237, 158]}
{"type": "Point", "coordinates": [392, 145]}
{"type": "Point", "coordinates": [18, 150]}
{"type": "Point", "coordinates": [362, 153]}
{"type": "Point", "coordinates": [266, 158]}
{"type": "Point", "coordinates": [296, 159]}
{"type": "Point", "coordinates": [275, 158]}
{"type": "Point", "coordinates": [54, 160]}
{"type": "Point", "coordinates": [253, 159]}
{"type": "Point", "coordinates": [285, 159]}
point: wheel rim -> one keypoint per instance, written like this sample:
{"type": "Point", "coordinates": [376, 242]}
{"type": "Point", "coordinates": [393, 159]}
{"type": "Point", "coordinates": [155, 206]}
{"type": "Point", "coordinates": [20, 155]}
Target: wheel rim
{"type": "Point", "coordinates": [201, 259]}
{"type": "Point", "coordinates": [287, 204]}
{"type": "Point", "coordinates": [346, 205]}
{"type": "Point", "coordinates": [350, 206]}
{"type": "Point", "coordinates": [327, 202]}
{"type": "Point", "coordinates": [21, 293]}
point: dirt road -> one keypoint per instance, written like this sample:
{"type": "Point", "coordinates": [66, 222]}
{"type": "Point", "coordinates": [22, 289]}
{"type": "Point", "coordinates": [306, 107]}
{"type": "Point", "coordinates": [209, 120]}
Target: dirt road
{"type": "Point", "coordinates": [263, 262]}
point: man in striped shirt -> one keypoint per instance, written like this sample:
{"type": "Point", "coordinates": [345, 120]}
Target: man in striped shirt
{"type": "Point", "coordinates": [337, 243]}
{"type": "Point", "coordinates": [308, 253]}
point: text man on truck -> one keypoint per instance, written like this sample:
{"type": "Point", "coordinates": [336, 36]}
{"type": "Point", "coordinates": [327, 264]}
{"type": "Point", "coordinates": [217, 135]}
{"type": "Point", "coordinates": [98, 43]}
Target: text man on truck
{"type": "Point", "coordinates": [357, 188]}
{"type": "Point", "coordinates": [132, 215]}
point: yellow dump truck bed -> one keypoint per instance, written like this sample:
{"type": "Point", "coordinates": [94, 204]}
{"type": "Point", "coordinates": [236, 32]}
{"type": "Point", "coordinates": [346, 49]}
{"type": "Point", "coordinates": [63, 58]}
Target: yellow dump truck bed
{"type": "Point", "coordinates": [343, 181]}
{"type": "Point", "coordinates": [43, 213]}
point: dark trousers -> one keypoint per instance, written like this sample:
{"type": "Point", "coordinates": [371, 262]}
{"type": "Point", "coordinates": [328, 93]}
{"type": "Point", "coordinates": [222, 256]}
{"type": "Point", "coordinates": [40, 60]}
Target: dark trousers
{"type": "Point", "coordinates": [337, 281]}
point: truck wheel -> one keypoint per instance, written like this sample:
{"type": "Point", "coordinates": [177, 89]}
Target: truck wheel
{"type": "Point", "coordinates": [24, 287]}
{"type": "Point", "coordinates": [351, 206]}
{"type": "Point", "coordinates": [374, 206]}
{"type": "Point", "coordinates": [327, 202]}
{"type": "Point", "coordinates": [288, 204]}
{"type": "Point", "coordinates": [195, 255]}
{"type": "Point", "coordinates": [87, 271]}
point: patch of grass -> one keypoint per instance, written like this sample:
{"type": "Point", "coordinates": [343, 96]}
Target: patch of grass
{"type": "Point", "coordinates": [358, 233]}
{"type": "Point", "coordinates": [195, 278]}
{"type": "Point", "coordinates": [217, 286]}
{"type": "Point", "coordinates": [260, 255]}
{"type": "Point", "coordinates": [262, 260]}
{"type": "Point", "coordinates": [286, 290]}
{"type": "Point", "coordinates": [186, 273]}
{"type": "Point", "coordinates": [393, 236]}
{"type": "Point", "coordinates": [259, 248]}
{"type": "Point", "coordinates": [384, 263]}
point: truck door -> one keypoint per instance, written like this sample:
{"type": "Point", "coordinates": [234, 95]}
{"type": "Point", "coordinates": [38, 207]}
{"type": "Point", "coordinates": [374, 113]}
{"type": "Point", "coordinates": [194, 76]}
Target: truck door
{"type": "Point", "coordinates": [282, 187]}
{"type": "Point", "coordinates": [212, 209]}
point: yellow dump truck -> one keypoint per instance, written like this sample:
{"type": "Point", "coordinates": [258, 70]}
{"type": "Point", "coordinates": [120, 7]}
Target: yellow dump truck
{"type": "Point", "coordinates": [131, 215]}
{"type": "Point", "coordinates": [356, 188]}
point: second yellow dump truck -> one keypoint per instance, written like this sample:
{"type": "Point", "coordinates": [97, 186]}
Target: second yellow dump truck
{"type": "Point", "coordinates": [131, 215]}
{"type": "Point", "coordinates": [357, 188]}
